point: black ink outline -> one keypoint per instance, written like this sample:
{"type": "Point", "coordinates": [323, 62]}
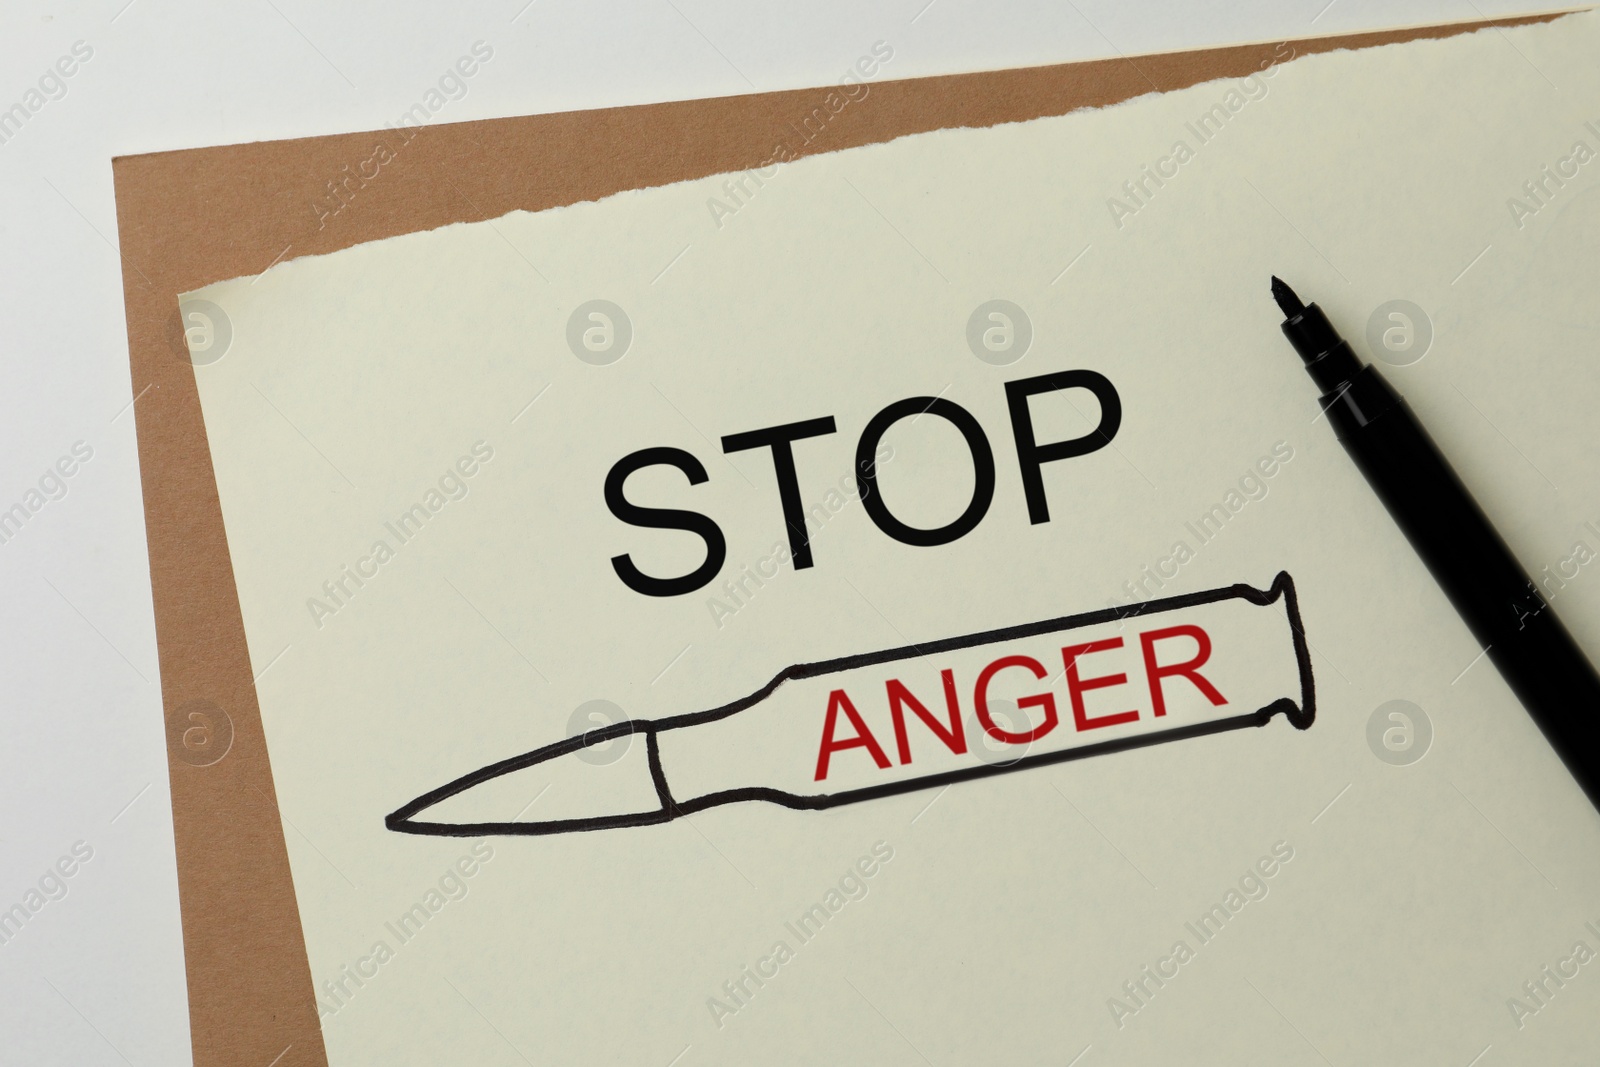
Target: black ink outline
{"type": "Point", "coordinates": [1301, 716]}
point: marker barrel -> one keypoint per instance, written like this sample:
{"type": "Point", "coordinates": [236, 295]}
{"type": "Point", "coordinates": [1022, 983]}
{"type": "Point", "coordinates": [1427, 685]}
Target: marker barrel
{"type": "Point", "coordinates": [1500, 604]}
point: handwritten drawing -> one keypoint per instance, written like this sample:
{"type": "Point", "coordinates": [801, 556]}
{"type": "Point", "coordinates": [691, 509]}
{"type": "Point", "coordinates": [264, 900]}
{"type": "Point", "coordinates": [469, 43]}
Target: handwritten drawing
{"type": "Point", "coordinates": [1198, 664]}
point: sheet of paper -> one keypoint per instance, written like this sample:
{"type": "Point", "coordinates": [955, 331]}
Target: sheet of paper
{"type": "Point", "coordinates": [442, 460]}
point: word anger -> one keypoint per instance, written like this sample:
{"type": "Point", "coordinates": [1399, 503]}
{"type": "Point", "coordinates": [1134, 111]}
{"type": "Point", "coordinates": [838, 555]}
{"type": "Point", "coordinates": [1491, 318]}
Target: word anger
{"type": "Point", "coordinates": [952, 734]}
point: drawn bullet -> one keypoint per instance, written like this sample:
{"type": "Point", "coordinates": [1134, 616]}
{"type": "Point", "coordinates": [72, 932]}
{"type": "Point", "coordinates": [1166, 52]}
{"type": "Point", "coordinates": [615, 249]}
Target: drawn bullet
{"type": "Point", "coordinates": [863, 727]}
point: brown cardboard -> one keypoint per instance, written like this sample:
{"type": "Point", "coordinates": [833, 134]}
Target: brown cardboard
{"type": "Point", "coordinates": [194, 217]}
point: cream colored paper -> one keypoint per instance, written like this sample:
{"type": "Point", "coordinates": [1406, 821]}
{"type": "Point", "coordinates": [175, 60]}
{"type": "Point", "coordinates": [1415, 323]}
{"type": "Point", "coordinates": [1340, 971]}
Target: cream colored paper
{"type": "Point", "coordinates": [1375, 913]}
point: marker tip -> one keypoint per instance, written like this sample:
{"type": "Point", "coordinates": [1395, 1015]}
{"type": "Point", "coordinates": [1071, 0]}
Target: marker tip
{"type": "Point", "coordinates": [1286, 298]}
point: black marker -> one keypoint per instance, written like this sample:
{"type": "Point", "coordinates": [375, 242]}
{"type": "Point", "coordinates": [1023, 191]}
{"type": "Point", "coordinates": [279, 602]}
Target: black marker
{"type": "Point", "coordinates": [1499, 602]}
